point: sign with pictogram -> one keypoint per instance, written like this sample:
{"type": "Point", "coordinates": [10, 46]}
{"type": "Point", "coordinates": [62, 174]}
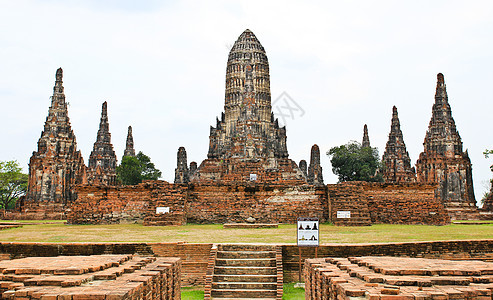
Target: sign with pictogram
{"type": "Point", "coordinates": [308, 232]}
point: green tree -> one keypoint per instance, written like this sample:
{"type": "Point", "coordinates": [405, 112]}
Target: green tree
{"type": "Point", "coordinates": [487, 194]}
{"type": "Point", "coordinates": [351, 162]}
{"type": "Point", "coordinates": [13, 183]}
{"type": "Point", "coordinates": [487, 154]}
{"type": "Point", "coordinates": [133, 170]}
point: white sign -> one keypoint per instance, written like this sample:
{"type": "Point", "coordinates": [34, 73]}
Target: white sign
{"type": "Point", "coordinates": [253, 177]}
{"type": "Point", "coordinates": [308, 232]}
{"type": "Point", "coordinates": [343, 214]}
{"type": "Point", "coordinates": [162, 210]}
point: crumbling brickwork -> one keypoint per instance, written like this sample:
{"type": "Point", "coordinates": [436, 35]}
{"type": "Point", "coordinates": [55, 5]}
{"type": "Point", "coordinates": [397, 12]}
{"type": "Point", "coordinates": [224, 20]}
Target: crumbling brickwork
{"type": "Point", "coordinates": [91, 277]}
{"type": "Point", "coordinates": [369, 203]}
{"type": "Point", "coordinates": [247, 136]}
{"type": "Point", "coordinates": [102, 161]}
{"type": "Point", "coordinates": [444, 162]}
{"type": "Point", "coordinates": [235, 203]}
{"type": "Point", "coordinates": [396, 278]}
{"type": "Point", "coordinates": [57, 165]}
{"type": "Point", "coordinates": [129, 204]}
{"type": "Point", "coordinates": [395, 160]}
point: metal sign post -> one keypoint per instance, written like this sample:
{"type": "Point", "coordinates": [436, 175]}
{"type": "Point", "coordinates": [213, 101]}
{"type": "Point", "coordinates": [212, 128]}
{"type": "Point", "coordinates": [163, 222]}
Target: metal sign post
{"type": "Point", "coordinates": [307, 236]}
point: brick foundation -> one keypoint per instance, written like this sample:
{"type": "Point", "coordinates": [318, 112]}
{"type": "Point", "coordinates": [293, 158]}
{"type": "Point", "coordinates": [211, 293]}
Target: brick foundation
{"type": "Point", "coordinates": [397, 278]}
{"type": "Point", "coordinates": [91, 277]}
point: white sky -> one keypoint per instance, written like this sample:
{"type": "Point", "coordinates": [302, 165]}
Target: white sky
{"type": "Point", "coordinates": [161, 67]}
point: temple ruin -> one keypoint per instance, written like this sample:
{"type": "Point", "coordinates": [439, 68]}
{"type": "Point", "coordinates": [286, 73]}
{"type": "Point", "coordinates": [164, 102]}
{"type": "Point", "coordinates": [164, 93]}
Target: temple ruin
{"type": "Point", "coordinates": [102, 161]}
{"type": "Point", "coordinates": [57, 165]}
{"type": "Point", "coordinates": [443, 160]}
{"type": "Point", "coordinates": [247, 174]}
{"type": "Point", "coordinates": [247, 142]}
{"type": "Point", "coordinates": [129, 145]}
{"type": "Point", "coordinates": [395, 160]}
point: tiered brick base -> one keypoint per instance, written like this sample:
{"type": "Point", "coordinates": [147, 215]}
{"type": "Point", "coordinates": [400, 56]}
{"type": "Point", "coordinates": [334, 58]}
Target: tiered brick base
{"type": "Point", "coordinates": [397, 278]}
{"type": "Point", "coordinates": [90, 277]}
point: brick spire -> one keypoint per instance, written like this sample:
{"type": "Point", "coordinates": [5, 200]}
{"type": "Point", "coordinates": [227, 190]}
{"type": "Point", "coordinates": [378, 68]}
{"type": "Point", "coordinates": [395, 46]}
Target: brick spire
{"type": "Point", "coordinates": [442, 136]}
{"type": "Point", "coordinates": [57, 165]}
{"type": "Point", "coordinates": [443, 160]}
{"type": "Point", "coordinates": [366, 138]}
{"type": "Point", "coordinates": [102, 161]}
{"type": "Point", "coordinates": [395, 159]}
{"type": "Point", "coordinates": [129, 146]}
{"type": "Point", "coordinates": [315, 169]}
{"type": "Point", "coordinates": [181, 171]}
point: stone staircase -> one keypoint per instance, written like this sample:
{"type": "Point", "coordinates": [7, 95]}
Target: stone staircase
{"type": "Point", "coordinates": [247, 272]}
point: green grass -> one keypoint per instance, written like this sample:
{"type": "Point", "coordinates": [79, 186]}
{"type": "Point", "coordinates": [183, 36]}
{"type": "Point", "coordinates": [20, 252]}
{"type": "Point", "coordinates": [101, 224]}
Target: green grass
{"type": "Point", "coordinates": [292, 293]}
{"type": "Point", "coordinates": [192, 293]}
{"type": "Point", "coordinates": [215, 233]}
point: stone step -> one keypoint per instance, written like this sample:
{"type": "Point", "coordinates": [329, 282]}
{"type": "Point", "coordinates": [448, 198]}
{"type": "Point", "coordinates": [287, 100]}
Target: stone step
{"type": "Point", "coordinates": [244, 278]}
{"type": "Point", "coordinates": [246, 262]}
{"type": "Point", "coordinates": [235, 247]}
{"type": "Point", "coordinates": [235, 293]}
{"type": "Point", "coordinates": [244, 285]}
{"type": "Point", "coordinates": [246, 254]}
{"type": "Point", "coordinates": [228, 270]}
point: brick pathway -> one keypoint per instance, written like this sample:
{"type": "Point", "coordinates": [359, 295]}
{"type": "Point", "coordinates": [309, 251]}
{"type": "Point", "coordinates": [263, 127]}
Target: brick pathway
{"type": "Point", "coordinates": [397, 278]}
{"type": "Point", "coordinates": [90, 277]}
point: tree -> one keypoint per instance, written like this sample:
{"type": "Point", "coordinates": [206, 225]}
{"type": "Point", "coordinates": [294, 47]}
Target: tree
{"type": "Point", "coordinates": [133, 170]}
{"type": "Point", "coordinates": [486, 154]}
{"type": "Point", "coordinates": [352, 162]}
{"type": "Point", "coordinates": [13, 183]}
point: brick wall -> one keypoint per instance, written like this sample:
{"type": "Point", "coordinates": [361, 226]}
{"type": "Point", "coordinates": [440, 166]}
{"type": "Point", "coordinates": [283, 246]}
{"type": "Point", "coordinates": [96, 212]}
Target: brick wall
{"type": "Point", "coordinates": [128, 204]}
{"type": "Point", "coordinates": [404, 203]}
{"type": "Point", "coordinates": [266, 203]}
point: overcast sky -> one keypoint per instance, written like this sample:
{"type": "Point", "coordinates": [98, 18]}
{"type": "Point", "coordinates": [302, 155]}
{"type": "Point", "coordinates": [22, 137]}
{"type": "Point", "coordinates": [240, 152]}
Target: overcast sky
{"type": "Point", "coordinates": [161, 67]}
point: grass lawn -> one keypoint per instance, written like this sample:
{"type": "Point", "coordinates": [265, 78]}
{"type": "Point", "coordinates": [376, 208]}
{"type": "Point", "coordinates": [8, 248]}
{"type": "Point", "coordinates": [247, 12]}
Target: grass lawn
{"type": "Point", "coordinates": [192, 293]}
{"type": "Point", "coordinates": [215, 233]}
{"type": "Point", "coordinates": [289, 293]}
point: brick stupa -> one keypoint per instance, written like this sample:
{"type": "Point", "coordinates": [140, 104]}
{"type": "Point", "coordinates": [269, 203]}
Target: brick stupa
{"type": "Point", "coordinates": [129, 145]}
{"type": "Point", "coordinates": [102, 161]}
{"type": "Point", "coordinates": [444, 162]}
{"type": "Point", "coordinates": [395, 160]}
{"type": "Point", "coordinates": [57, 165]}
{"type": "Point", "coordinates": [247, 142]}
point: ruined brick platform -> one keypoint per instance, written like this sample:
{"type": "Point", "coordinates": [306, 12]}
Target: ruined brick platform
{"type": "Point", "coordinates": [90, 277]}
{"type": "Point", "coordinates": [383, 277]}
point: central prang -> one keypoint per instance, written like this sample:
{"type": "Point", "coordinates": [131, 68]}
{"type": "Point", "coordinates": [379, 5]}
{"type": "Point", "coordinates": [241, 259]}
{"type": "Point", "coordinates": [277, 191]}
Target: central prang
{"type": "Point", "coordinates": [248, 140]}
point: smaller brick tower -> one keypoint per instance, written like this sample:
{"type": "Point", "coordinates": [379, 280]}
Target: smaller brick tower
{"type": "Point", "coordinates": [366, 138]}
{"type": "Point", "coordinates": [395, 160]}
{"type": "Point", "coordinates": [303, 167]}
{"type": "Point", "coordinates": [181, 171]}
{"type": "Point", "coordinates": [102, 161]}
{"type": "Point", "coordinates": [314, 169]}
{"type": "Point", "coordinates": [129, 146]}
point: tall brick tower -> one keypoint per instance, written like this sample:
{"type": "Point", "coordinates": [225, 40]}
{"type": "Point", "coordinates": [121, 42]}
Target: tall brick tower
{"type": "Point", "coordinates": [248, 140]}
{"type": "Point", "coordinates": [129, 145]}
{"type": "Point", "coordinates": [315, 169]}
{"type": "Point", "coordinates": [57, 165]}
{"type": "Point", "coordinates": [102, 161]}
{"type": "Point", "coordinates": [395, 159]}
{"type": "Point", "coordinates": [443, 160]}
